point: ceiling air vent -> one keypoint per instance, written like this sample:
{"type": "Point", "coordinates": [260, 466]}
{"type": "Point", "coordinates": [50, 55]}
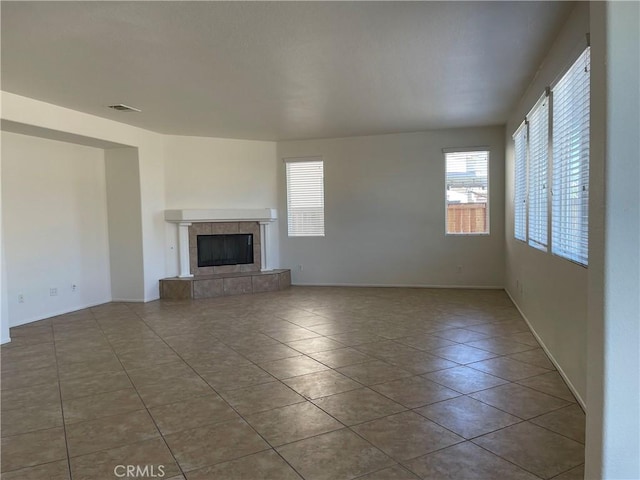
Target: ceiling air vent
{"type": "Point", "coordinates": [124, 108]}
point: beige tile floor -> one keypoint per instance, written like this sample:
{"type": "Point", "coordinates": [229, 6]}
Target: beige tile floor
{"type": "Point", "coordinates": [313, 383]}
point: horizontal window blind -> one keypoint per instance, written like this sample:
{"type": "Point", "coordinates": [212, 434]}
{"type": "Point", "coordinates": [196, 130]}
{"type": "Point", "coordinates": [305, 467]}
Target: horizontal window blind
{"type": "Point", "coordinates": [467, 192]}
{"type": "Point", "coordinates": [570, 134]}
{"type": "Point", "coordinates": [538, 120]}
{"type": "Point", "coordinates": [305, 197]}
{"type": "Point", "coordinates": [520, 184]}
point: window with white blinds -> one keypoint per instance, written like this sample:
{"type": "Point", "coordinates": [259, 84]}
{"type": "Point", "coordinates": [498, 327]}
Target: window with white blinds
{"type": "Point", "coordinates": [570, 143]}
{"type": "Point", "coordinates": [520, 187]}
{"type": "Point", "coordinates": [556, 218]}
{"type": "Point", "coordinates": [538, 120]}
{"type": "Point", "coordinates": [467, 192]}
{"type": "Point", "coordinates": [305, 196]}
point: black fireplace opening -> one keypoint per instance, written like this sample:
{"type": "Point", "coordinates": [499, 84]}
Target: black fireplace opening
{"type": "Point", "coordinates": [230, 249]}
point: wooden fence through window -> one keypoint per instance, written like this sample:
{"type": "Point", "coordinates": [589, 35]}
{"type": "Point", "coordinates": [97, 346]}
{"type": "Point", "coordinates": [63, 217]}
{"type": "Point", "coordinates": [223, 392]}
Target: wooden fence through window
{"type": "Point", "coordinates": [467, 218]}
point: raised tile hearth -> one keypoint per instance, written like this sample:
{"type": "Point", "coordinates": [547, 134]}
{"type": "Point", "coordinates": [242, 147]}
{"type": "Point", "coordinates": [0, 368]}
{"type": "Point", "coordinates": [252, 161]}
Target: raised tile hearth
{"type": "Point", "coordinates": [223, 284]}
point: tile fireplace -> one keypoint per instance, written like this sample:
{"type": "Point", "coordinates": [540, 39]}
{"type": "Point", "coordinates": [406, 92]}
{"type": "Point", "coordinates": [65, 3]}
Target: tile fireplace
{"type": "Point", "coordinates": [220, 276]}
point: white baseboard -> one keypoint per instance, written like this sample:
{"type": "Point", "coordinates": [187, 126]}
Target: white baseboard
{"type": "Point", "coordinates": [152, 298]}
{"type": "Point", "coordinates": [550, 355]}
{"type": "Point", "coordinates": [74, 309]}
{"type": "Point", "coordinates": [399, 285]}
{"type": "Point", "coordinates": [58, 312]}
{"type": "Point", "coordinates": [4, 340]}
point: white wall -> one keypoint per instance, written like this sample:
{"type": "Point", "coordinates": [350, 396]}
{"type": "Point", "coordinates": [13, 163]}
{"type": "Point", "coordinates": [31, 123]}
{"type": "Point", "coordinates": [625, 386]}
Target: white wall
{"type": "Point", "coordinates": [58, 122]}
{"type": "Point", "coordinates": [125, 224]}
{"type": "Point", "coordinates": [237, 173]}
{"type": "Point", "coordinates": [385, 213]}
{"type": "Point", "coordinates": [613, 393]}
{"type": "Point", "coordinates": [4, 307]}
{"type": "Point", "coordinates": [152, 204]}
{"type": "Point", "coordinates": [550, 291]}
{"type": "Point", "coordinates": [219, 173]}
{"type": "Point", "coordinates": [55, 226]}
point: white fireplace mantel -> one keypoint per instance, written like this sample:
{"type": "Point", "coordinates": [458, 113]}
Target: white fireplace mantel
{"type": "Point", "coordinates": [184, 218]}
{"type": "Point", "coordinates": [222, 215]}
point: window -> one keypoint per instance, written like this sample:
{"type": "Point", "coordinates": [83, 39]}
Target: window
{"type": "Point", "coordinates": [520, 196]}
{"type": "Point", "coordinates": [538, 120]}
{"type": "Point", "coordinates": [467, 194]}
{"type": "Point", "coordinates": [305, 196]}
{"type": "Point", "coordinates": [570, 192]}
{"type": "Point", "coordinates": [552, 149]}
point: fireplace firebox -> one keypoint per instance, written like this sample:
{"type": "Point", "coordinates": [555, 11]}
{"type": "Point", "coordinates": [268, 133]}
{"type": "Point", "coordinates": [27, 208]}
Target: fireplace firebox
{"type": "Point", "coordinates": [229, 249]}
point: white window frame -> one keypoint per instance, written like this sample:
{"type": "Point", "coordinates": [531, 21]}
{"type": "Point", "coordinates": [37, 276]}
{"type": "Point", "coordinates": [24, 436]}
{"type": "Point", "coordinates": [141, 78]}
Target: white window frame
{"type": "Point", "coordinates": [314, 228]}
{"type": "Point", "coordinates": [538, 174]}
{"type": "Point", "coordinates": [556, 157]}
{"type": "Point", "coordinates": [488, 203]}
{"type": "Point", "coordinates": [520, 189]}
{"type": "Point", "coordinates": [571, 151]}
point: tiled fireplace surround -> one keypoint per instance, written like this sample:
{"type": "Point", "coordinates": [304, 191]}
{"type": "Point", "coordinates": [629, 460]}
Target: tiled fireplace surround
{"type": "Point", "coordinates": [222, 228]}
{"type": "Point", "coordinates": [208, 282]}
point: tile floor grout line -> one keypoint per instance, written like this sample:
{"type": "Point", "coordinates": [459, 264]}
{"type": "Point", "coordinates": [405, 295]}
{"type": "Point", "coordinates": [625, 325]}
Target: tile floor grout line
{"type": "Point", "coordinates": [463, 393]}
{"type": "Point", "coordinates": [506, 459]}
{"type": "Point", "coordinates": [143, 403]}
{"type": "Point", "coordinates": [502, 378]}
{"type": "Point", "coordinates": [400, 461]}
{"type": "Point", "coordinates": [93, 394]}
{"type": "Point", "coordinates": [140, 409]}
{"type": "Point", "coordinates": [553, 431]}
{"type": "Point", "coordinates": [323, 307]}
{"type": "Point", "coordinates": [405, 411]}
{"type": "Point", "coordinates": [520, 420]}
{"type": "Point", "coordinates": [404, 462]}
{"type": "Point", "coordinates": [498, 408]}
{"type": "Point", "coordinates": [365, 421]}
{"type": "Point", "coordinates": [567, 470]}
{"type": "Point", "coordinates": [230, 406]}
{"type": "Point", "coordinates": [64, 426]}
{"type": "Point", "coordinates": [397, 464]}
{"type": "Point", "coordinates": [557, 433]}
{"type": "Point", "coordinates": [287, 462]}
{"type": "Point", "coordinates": [546, 393]}
{"type": "Point", "coordinates": [37, 464]}
{"type": "Point", "coordinates": [515, 382]}
{"type": "Point", "coordinates": [493, 406]}
{"type": "Point", "coordinates": [272, 447]}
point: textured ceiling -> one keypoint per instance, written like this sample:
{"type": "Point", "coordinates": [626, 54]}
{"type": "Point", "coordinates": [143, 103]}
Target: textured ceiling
{"type": "Point", "coordinates": [279, 70]}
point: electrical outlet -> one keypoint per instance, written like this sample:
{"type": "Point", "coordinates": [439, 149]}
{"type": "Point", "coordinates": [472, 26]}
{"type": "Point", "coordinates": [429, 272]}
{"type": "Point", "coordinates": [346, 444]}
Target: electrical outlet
{"type": "Point", "coordinates": [74, 287]}
{"type": "Point", "coordinates": [299, 268]}
{"type": "Point", "coordinates": [53, 292]}
{"type": "Point", "coordinates": [20, 298]}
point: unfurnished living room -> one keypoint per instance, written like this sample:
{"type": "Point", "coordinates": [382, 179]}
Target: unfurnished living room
{"type": "Point", "coordinates": [320, 240]}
